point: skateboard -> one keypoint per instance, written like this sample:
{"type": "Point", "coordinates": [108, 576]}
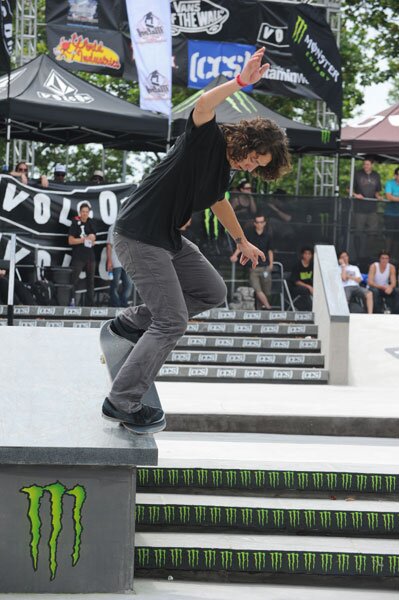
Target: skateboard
{"type": "Point", "coordinates": [115, 351]}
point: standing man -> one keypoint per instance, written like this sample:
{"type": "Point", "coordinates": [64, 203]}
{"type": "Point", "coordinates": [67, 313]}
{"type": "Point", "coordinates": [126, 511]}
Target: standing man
{"type": "Point", "coordinates": [82, 238]}
{"type": "Point", "coordinates": [118, 275]}
{"type": "Point", "coordinates": [260, 277]}
{"type": "Point", "coordinates": [301, 279]}
{"type": "Point", "coordinates": [367, 185]}
{"type": "Point", "coordinates": [391, 214]}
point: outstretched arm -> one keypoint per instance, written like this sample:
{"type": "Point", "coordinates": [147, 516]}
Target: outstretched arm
{"type": "Point", "coordinates": [204, 109]}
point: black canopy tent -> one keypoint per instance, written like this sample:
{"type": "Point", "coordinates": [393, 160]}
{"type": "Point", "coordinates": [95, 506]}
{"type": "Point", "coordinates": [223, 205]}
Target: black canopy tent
{"type": "Point", "coordinates": [49, 104]}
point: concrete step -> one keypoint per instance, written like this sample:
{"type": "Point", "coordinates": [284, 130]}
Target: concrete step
{"type": "Point", "coordinates": [171, 512]}
{"type": "Point", "coordinates": [257, 557]}
{"type": "Point", "coordinates": [173, 372]}
{"type": "Point", "coordinates": [222, 314]}
{"type": "Point", "coordinates": [250, 343]}
{"type": "Point", "coordinates": [243, 328]}
{"type": "Point", "coordinates": [245, 358]}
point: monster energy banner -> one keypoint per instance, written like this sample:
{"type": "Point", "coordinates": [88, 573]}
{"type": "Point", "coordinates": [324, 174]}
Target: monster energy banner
{"type": "Point", "coordinates": [6, 38]}
{"type": "Point", "coordinates": [42, 217]}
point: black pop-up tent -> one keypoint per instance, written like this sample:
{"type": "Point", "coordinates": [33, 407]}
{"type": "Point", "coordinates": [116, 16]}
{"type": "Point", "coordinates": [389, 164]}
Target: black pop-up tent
{"type": "Point", "coordinates": [46, 103]}
{"type": "Point", "coordinates": [303, 138]}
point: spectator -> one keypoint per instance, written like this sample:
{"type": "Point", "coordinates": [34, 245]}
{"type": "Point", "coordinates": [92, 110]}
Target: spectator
{"type": "Point", "coordinates": [82, 237]}
{"type": "Point", "coordinates": [391, 214]}
{"type": "Point", "coordinates": [351, 280]}
{"type": "Point", "coordinates": [243, 202]}
{"type": "Point", "coordinates": [59, 173]}
{"type": "Point", "coordinates": [22, 295]}
{"type": "Point", "coordinates": [260, 277]}
{"type": "Point", "coordinates": [367, 184]}
{"type": "Point", "coordinates": [301, 280]}
{"type": "Point", "coordinates": [118, 275]}
{"type": "Point", "coordinates": [97, 178]}
{"type": "Point", "coordinates": [21, 172]}
{"type": "Point", "coordinates": [382, 282]}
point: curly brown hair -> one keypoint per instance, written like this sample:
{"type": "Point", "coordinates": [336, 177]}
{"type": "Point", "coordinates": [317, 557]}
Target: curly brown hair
{"type": "Point", "coordinates": [262, 136]}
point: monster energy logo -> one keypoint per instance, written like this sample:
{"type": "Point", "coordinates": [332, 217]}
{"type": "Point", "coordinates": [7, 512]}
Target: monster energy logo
{"type": "Point", "coordinates": [188, 476]}
{"type": "Point", "coordinates": [184, 514]}
{"type": "Point", "coordinates": [325, 519]}
{"type": "Point", "coordinates": [247, 516]}
{"type": "Point", "coordinates": [294, 518]}
{"type": "Point", "coordinates": [140, 509]}
{"type": "Point", "coordinates": [193, 557]}
{"type": "Point", "coordinates": [278, 518]}
{"type": "Point", "coordinates": [260, 560]}
{"type": "Point", "coordinates": [160, 557]}
{"type": "Point", "coordinates": [394, 564]}
{"type": "Point", "coordinates": [202, 476]}
{"type": "Point", "coordinates": [177, 556]}
{"type": "Point", "coordinates": [263, 516]}
{"type": "Point", "coordinates": [293, 561]}
{"type": "Point", "coordinates": [231, 477]}
{"type": "Point", "coordinates": [173, 476]}
{"type": "Point", "coordinates": [376, 483]}
{"type": "Point", "coordinates": [299, 30]}
{"type": "Point", "coordinates": [310, 518]}
{"type": "Point", "coordinates": [372, 520]}
{"type": "Point", "coordinates": [217, 478]}
{"type": "Point", "coordinates": [57, 491]}
{"type": "Point", "coordinates": [216, 514]}
{"type": "Point", "coordinates": [341, 519]}
{"type": "Point", "coordinates": [317, 480]}
{"type": "Point", "coordinates": [245, 478]}
{"type": "Point", "coordinates": [143, 476]}
{"type": "Point", "coordinates": [388, 520]}
{"type": "Point", "coordinates": [377, 563]}
{"type": "Point", "coordinates": [346, 480]}
{"type": "Point", "coordinates": [200, 512]}
{"type": "Point", "coordinates": [325, 136]}
{"type": "Point", "coordinates": [343, 562]}
{"type": "Point", "coordinates": [158, 476]}
{"type": "Point", "coordinates": [227, 559]}
{"type": "Point", "coordinates": [231, 515]}
{"type": "Point", "coordinates": [153, 513]}
{"type": "Point", "coordinates": [331, 481]}
{"type": "Point", "coordinates": [390, 483]}
{"type": "Point", "coordinates": [260, 477]}
{"type": "Point", "coordinates": [210, 558]}
{"type": "Point", "coordinates": [289, 479]}
{"type": "Point", "coordinates": [360, 563]}
{"type": "Point", "coordinates": [309, 560]}
{"type": "Point", "coordinates": [277, 560]}
{"type": "Point", "coordinates": [169, 513]}
{"type": "Point", "coordinates": [274, 479]}
{"type": "Point", "coordinates": [326, 562]}
{"type": "Point", "coordinates": [361, 482]}
{"type": "Point", "coordinates": [143, 556]}
{"type": "Point", "coordinates": [357, 519]}
{"type": "Point", "coordinates": [303, 480]}
{"type": "Point", "coordinates": [243, 560]}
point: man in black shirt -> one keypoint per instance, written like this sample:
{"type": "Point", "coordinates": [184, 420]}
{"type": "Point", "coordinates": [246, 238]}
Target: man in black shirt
{"type": "Point", "coordinates": [82, 237]}
{"type": "Point", "coordinates": [174, 280]}
{"type": "Point", "coordinates": [260, 277]}
{"type": "Point", "coordinates": [367, 184]}
{"type": "Point", "coordinates": [301, 280]}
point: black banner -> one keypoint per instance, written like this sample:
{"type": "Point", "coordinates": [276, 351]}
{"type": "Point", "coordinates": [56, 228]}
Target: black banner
{"type": "Point", "coordinates": [6, 34]}
{"type": "Point", "coordinates": [42, 217]}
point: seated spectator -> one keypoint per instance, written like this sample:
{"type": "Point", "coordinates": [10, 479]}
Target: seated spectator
{"type": "Point", "coordinates": [391, 214]}
{"type": "Point", "coordinates": [114, 266]}
{"type": "Point", "coordinates": [97, 178]}
{"type": "Point", "coordinates": [260, 277]}
{"type": "Point", "coordinates": [59, 173]}
{"type": "Point", "coordinates": [243, 202]}
{"type": "Point", "coordinates": [301, 280]}
{"type": "Point", "coordinates": [21, 172]}
{"type": "Point", "coordinates": [82, 237]}
{"type": "Point", "coordinates": [22, 295]}
{"type": "Point", "coordinates": [382, 282]}
{"type": "Point", "coordinates": [351, 280]}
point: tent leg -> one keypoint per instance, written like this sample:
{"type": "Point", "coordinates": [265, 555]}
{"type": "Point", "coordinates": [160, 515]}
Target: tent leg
{"type": "Point", "coordinates": [352, 177]}
{"type": "Point", "coordinates": [298, 175]}
{"type": "Point", "coordinates": [124, 166]}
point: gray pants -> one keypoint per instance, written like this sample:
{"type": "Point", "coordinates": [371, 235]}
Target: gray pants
{"type": "Point", "coordinates": [174, 287]}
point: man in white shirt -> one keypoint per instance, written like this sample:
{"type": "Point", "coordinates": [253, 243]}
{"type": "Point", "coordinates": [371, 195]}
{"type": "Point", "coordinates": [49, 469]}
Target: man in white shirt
{"type": "Point", "coordinates": [351, 279]}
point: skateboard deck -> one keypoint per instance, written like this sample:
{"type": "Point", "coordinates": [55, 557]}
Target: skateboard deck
{"type": "Point", "coordinates": [115, 352]}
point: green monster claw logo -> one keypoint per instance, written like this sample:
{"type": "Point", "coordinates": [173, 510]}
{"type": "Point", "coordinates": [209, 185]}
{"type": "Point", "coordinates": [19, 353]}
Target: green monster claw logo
{"type": "Point", "coordinates": [293, 561]}
{"type": "Point", "coordinates": [143, 475]}
{"type": "Point", "coordinates": [343, 562]}
{"type": "Point", "coordinates": [193, 557]}
{"type": "Point", "coordinates": [326, 562]}
{"type": "Point", "coordinates": [177, 556]}
{"type": "Point", "coordinates": [357, 519]}
{"type": "Point", "coordinates": [260, 560]}
{"type": "Point", "coordinates": [303, 480]}
{"type": "Point", "coordinates": [231, 515]}
{"type": "Point", "coordinates": [325, 136]}
{"type": "Point", "coordinates": [247, 516]}
{"type": "Point", "coordinates": [278, 517]}
{"type": "Point", "coordinates": [158, 476]}
{"type": "Point", "coordinates": [346, 480]}
{"type": "Point", "coordinates": [143, 556]}
{"type": "Point", "coordinates": [231, 478]}
{"type": "Point", "coordinates": [200, 512]}
{"type": "Point", "coordinates": [372, 520]}
{"type": "Point", "coordinates": [216, 514]}
{"type": "Point", "coordinates": [274, 479]}
{"type": "Point", "coordinates": [184, 514]}
{"type": "Point", "coordinates": [243, 560]}
{"type": "Point", "coordinates": [173, 476]}
{"type": "Point", "coordinates": [361, 482]}
{"type": "Point", "coordinates": [394, 565]}
{"type": "Point", "coordinates": [277, 560]}
{"type": "Point", "coordinates": [309, 560]}
{"type": "Point", "coordinates": [289, 479]}
{"type": "Point", "coordinates": [160, 557]}
{"type": "Point", "coordinates": [153, 513]}
{"type": "Point", "coordinates": [263, 516]}
{"type": "Point", "coordinates": [360, 563]}
{"type": "Point", "coordinates": [331, 481]}
{"type": "Point", "coordinates": [388, 520]}
{"type": "Point", "coordinates": [310, 518]}
{"type": "Point", "coordinates": [227, 559]}
{"type": "Point", "coordinates": [188, 476]}
{"type": "Point", "coordinates": [390, 483]}
{"type": "Point", "coordinates": [245, 478]}
{"type": "Point", "coordinates": [169, 513]}
{"type": "Point", "coordinates": [325, 519]}
{"type": "Point", "coordinates": [202, 476]}
{"type": "Point", "coordinates": [376, 483]}
{"type": "Point", "coordinates": [377, 563]}
{"type": "Point", "coordinates": [57, 491]}
{"type": "Point", "coordinates": [217, 478]}
{"type": "Point", "coordinates": [294, 517]}
{"type": "Point", "coordinates": [210, 558]}
{"type": "Point", "coordinates": [260, 477]}
{"type": "Point", "coordinates": [341, 519]}
{"type": "Point", "coordinates": [317, 480]}
{"type": "Point", "coordinates": [299, 30]}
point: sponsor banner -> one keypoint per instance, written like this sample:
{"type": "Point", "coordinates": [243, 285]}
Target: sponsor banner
{"type": "Point", "coordinates": [150, 30]}
{"type": "Point", "coordinates": [42, 217]}
{"type": "Point", "coordinates": [6, 34]}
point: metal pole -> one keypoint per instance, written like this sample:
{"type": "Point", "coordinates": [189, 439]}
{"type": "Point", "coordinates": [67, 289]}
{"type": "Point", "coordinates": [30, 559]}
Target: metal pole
{"type": "Point", "coordinates": [298, 175]}
{"type": "Point", "coordinates": [11, 280]}
{"type": "Point", "coordinates": [124, 166]}
{"type": "Point", "coordinates": [233, 279]}
{"type": "Point", "coordinates": [352, 177]}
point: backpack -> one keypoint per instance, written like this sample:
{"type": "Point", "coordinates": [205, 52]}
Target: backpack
{"type": "Point", "coordinates": [43, 292]}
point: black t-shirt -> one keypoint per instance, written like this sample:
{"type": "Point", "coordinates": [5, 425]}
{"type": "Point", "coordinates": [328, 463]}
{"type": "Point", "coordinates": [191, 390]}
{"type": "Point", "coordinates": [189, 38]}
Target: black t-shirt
{"type": "Point", "coordinates": [367, 185]}
{"type": "Point", "coordinates": [262, 241]}
{"type": "Point", "coordinates": [193, 175]}
{"type": "Point", "coordinates": [79, 229]}
{"type": "Point", "coordinates": [301, 273]}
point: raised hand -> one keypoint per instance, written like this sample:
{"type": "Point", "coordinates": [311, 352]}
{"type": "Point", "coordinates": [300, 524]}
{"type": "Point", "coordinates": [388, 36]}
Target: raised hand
{"type": "Point", "coordinates": [254, 70]}
{"type": "Point", "coordinates": [249, 252]}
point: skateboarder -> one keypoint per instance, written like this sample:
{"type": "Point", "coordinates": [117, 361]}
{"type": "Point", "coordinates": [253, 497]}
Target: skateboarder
{"type": "Point", "coordinates": [174, 280]}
